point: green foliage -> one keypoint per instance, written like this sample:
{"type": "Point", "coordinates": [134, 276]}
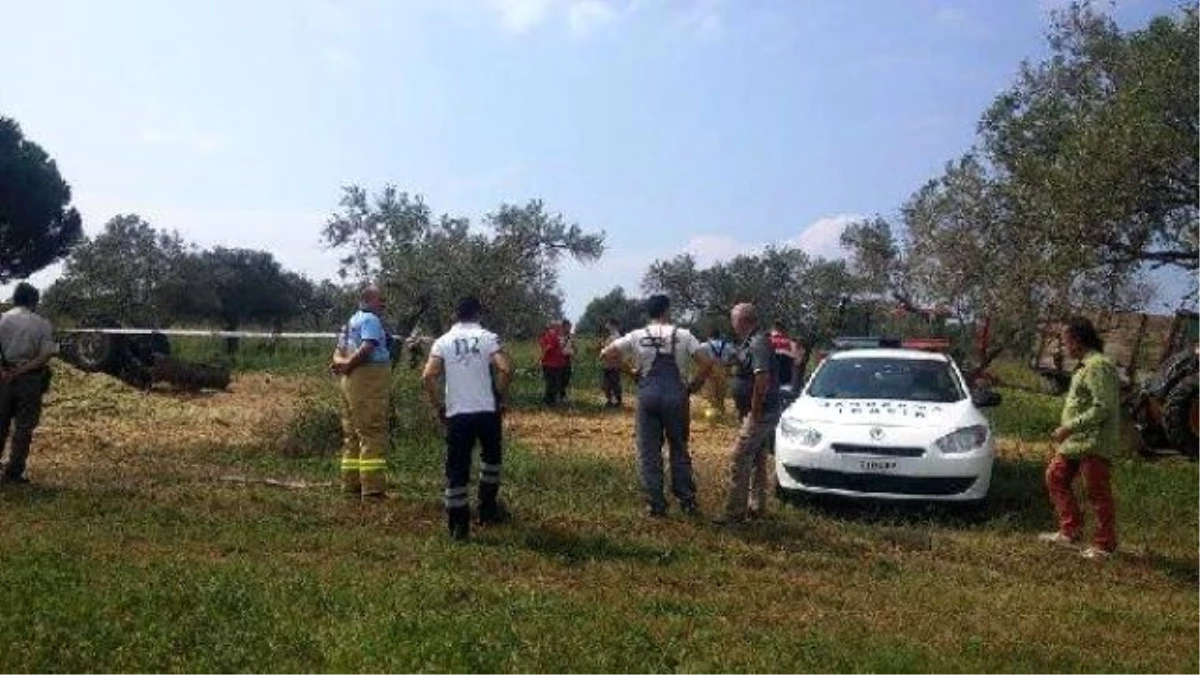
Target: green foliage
{"type": "Point", "coordinates": [809, 295]}
{"type": "Point", "coordinates": [144, 277]}
{"type": "Point", "coordinates": [37, 225]}
{"type": "Point", "coordinates": [615, 305]}
{"type": "Point", "coordinates": [425, 265]}
{"type": "Point", "coordinates": [314, 431]}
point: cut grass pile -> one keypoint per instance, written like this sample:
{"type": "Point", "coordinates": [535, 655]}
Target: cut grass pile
{"type": "Point", "coordinates": [130, 553]}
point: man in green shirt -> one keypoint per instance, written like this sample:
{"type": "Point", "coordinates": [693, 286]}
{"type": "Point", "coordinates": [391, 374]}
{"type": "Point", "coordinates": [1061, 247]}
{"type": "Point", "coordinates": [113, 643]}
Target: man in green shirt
{"type": "Point", "coordinates": [1088, 438]}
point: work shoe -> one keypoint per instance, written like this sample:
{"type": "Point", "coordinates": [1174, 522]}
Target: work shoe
{"type": "Point", "coordinates": [656, 511]}
{"type": "Point", "coordinates": [754, 513]}
{"type": "Point", "coordinates": [459, 521]}
{"type": "Point", "coordinates": [493, 514]}
{"type": "Point", "coordinates": [1094, 553]}
{"type": "Point", "coordinates": [14, 480]}
{"type": "Point", "coordinates": [1058, 539]}
{"type": "Point", "coordinates": [690, 509]}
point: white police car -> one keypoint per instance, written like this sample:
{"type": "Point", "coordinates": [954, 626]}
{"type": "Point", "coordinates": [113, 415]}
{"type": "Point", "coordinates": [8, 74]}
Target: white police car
{"type": "Point", "coordinates": [887, 423]}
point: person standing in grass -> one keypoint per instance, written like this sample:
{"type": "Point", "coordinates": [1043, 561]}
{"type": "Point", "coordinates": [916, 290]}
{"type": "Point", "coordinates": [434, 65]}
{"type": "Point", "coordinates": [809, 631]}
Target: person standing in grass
{"type": "Point", "coordinates": [1087, 440]}
{"type": "Point", "coordinates": [477, 375]}
{"type": "Point", "coordinates": [724, 354]}
{"type": "Point", "coordinates": [662, 350]}
{"type": "Point", "coordinates": [553, 362]}
{"type": "Point", "coordinates": [26, 345]}
{"type": "Point", "coordinates": [364, 364]}
{"type": "Point", "coordinates": [568, 349]}
{"type": "Point", "coordinates": [759, 405]}
{"type": "Point", "coordinates": [612, 368]}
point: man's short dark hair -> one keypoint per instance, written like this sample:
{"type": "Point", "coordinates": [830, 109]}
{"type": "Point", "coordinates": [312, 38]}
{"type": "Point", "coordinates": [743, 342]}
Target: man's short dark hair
{"type": "Point", "coordinates": [777, 325]}
{"type": "Point", "coordinates": [469, 308]}
{"type": "Point", "coordinates": [1084, 332]}
{"type": "Point", "coordinates": [25, 295]}
{"type": "Point", "coordinates": [657, 306]}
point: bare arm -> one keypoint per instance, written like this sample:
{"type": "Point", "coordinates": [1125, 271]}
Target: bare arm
{"type": "Point", "coordinates": [429, 382]}
{"type": "Point", "coordinates": [503, 372]}
{"type": "Point", "coordinates": [707, 363]}
{"type": "Point", "coordinates": [345, 364]}
{"type": "Point", "coordinates": [758, 395]}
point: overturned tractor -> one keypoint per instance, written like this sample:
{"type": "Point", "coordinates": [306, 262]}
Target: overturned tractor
{"type": "Point", "coordinates": [137, 357]}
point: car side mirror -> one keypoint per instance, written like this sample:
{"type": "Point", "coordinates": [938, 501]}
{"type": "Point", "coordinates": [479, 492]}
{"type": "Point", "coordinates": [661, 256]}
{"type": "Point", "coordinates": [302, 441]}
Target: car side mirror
{"type": "Point", "coordinates": [986, 398]}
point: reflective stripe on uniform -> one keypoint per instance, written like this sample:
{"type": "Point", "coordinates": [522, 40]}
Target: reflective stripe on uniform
{"type": "Point", "coordinates": [350, 464]}
{"type": "Point", "coordinates": [489, 473]}
{"type": "Point", "coordinates": [372, 464]}
{"type": "Point", "coordinates": [456, 497]}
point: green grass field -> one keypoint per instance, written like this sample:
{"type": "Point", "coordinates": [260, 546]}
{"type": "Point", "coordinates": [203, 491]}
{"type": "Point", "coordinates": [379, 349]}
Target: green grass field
{"type": "Point", "coordinates": [130, 554]}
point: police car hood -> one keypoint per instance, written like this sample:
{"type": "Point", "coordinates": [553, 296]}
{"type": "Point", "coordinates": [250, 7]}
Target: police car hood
{"type": "Point", "coordinates": [878, 412]}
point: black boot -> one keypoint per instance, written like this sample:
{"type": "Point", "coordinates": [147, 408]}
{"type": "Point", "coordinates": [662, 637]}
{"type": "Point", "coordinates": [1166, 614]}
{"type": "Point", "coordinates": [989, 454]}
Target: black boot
{"type": "Point", "coordinates": [459, 519]}
{"type": "Point", "coordinates": [491, 511]}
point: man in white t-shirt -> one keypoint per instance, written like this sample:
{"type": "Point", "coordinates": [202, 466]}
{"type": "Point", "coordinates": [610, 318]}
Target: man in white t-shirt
{"type": "Point", "coordinates": [661, 350]}
{"type": "Point", "coordinates": [470, 408]}
{"type": "Point", "coordinates": [612, 368]}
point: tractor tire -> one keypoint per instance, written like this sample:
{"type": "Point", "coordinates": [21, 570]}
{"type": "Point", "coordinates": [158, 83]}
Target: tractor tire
{"type": "Point", "coordinates": [1181, 416]}
{"type": "Point", "coordinates": [98, 352]}
{"type": "Point", "coordinates": [145, 347]}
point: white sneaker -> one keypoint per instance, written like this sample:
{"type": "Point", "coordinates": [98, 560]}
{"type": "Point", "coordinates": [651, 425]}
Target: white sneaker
{"type": "Point", "coordinates": [1057, 538]}
{"type": "Point", "coordinates": [1093, 553]}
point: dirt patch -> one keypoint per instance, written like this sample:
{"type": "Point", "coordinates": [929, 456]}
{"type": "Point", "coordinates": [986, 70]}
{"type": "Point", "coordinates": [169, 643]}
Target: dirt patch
{"type": "Point", "coordinates": [92, 418]}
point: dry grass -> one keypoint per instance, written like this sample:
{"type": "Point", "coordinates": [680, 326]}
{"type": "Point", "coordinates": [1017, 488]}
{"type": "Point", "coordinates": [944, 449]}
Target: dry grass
{"type": "Point", "coordinates": [580, 581]}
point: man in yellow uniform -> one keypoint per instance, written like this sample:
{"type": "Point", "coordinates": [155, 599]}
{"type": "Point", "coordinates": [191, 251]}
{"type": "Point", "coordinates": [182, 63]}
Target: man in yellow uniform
{"type": "Point", "coordinates": [363, 361]}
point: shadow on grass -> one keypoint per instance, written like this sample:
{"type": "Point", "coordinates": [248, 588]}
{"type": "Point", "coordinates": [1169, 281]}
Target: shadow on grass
{"type": "Point", "coordinates": [1016, 501]}
{"type": "Point", "coordinates": [27, 494]}
{"type": "Point", "coordinates": [1183, 571]}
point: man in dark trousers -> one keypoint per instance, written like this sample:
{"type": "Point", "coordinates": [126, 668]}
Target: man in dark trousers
{"type": "Point", "coordinates": [663, 351]}
{"type": "Point", "coordinates": [26, 345]}
{"type": "Point", "coordinates": [470, 408]}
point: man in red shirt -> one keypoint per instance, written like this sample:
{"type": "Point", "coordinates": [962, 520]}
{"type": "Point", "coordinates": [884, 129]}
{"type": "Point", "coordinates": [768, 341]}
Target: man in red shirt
{"type": "Point", "coordinates": [785, 353]}
{"type": "Point", "coordinates": [554, 363]}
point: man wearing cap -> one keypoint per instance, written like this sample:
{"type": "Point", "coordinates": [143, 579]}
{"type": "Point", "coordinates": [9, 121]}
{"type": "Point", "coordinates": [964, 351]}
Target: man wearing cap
{"type": "Point", "coordinates": [477, 373]}
{"type": "Point", "coordinates": [26, 345]}
{"type": "Point", "coordinates": [364, 364]}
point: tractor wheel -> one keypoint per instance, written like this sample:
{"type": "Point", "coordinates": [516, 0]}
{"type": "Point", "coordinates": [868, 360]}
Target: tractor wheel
{"type": "Point", "coordinates": [1181, 416]}
{"type": "Point", "coordinates": [96, 352]}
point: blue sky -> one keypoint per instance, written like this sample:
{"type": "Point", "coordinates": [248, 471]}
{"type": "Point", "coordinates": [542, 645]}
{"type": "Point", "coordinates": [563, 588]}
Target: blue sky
{"type": "Point", "coordinates": [710, 126]}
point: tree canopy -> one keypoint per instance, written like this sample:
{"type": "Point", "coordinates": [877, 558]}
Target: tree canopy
{"type": "Point", "coordinates": [628, 312]}
{"type": "Point", "coordinates": [144, 277]}
{"type": "Point", "coordinates": [424, 265]}
{"type": "Point", "coordinates": [37, 224]}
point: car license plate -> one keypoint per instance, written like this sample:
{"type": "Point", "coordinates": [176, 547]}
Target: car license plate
{"type": "Point", "coordinates": [876, 464]}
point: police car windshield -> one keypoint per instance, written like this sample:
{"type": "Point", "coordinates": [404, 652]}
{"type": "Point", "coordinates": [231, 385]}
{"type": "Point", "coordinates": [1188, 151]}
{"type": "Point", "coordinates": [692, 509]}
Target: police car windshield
{"type": "Point", "coordinates": [887, 378]}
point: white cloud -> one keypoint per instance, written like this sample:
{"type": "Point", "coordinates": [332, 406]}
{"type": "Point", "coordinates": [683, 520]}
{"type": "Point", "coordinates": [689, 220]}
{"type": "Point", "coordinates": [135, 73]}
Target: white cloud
{"type": "Point", "coordinates": [519, 16]}
{"type": "Point", "coordinates": [201, 142]}
{"type": "Point", "coordinates": [585, 16]}
{"type": "Point", "coordinates": [713, 248]}
{"type": "Point", "coordinates": [823, 237]}
{"type": "Point", "coordinates": [703, 20]}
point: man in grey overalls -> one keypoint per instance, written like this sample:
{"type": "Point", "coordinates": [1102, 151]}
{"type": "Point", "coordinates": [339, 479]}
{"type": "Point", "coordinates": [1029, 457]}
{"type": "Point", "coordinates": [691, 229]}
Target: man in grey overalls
{"type": "Point", "coordinates": [663, 410]}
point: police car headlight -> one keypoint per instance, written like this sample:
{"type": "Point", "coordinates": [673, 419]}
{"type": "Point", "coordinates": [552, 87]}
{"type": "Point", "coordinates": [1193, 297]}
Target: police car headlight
{"type": "Point", "coordinates": [800, 433]}
{"type": "Point", "coordinates": [963, 440]}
